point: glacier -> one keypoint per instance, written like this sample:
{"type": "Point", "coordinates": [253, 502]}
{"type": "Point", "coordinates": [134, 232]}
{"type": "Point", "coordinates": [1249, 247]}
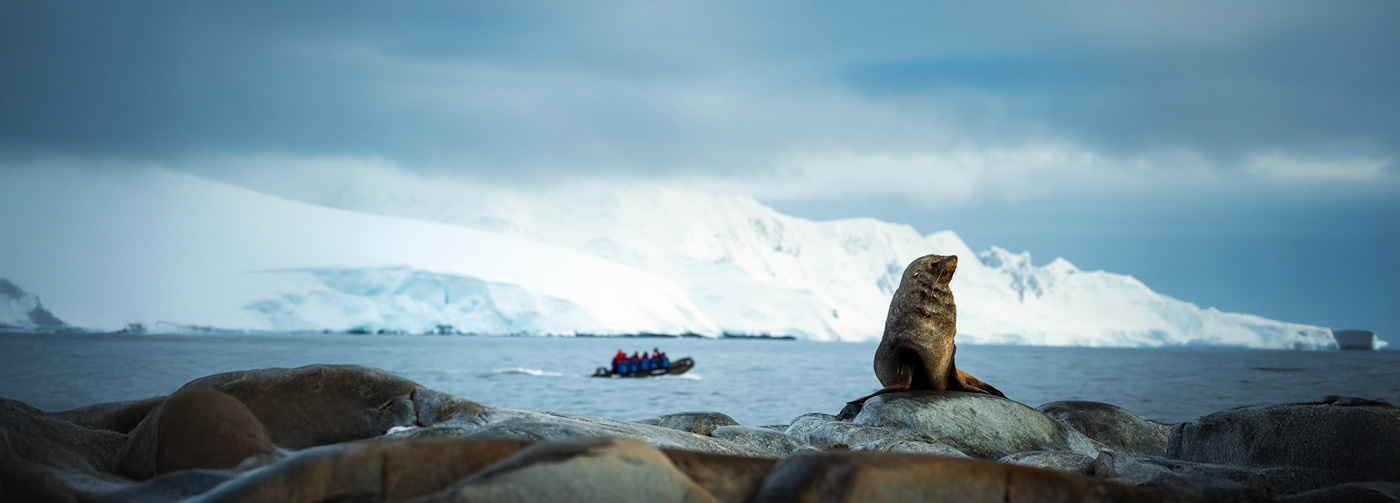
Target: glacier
{"type": "Point", "coordinates": [379, 248]}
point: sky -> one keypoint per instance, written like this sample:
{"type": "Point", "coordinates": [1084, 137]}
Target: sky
{"type": "Point", "coordinates": [1241, 155]}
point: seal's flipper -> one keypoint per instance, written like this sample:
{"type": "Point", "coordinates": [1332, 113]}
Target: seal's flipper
{"type": "Point", "coordinates": [969, 383]}
{"type": "Point", "coordinates": [906, 378]}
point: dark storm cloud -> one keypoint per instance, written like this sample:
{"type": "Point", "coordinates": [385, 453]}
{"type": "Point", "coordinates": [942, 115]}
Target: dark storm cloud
{"type": "Point", "coordinates": [647, 89]}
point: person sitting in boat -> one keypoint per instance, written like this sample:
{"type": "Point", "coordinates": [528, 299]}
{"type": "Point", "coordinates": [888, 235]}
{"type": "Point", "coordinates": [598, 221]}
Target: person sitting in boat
{"type": "Point", "coordinates": [646, 361]}
{"type": "Point", "coordinates": [617, 361]}
{"type": "Point", "coordinates": [635, 363]}
{"type": "Point", "coordinates": [665, 360]}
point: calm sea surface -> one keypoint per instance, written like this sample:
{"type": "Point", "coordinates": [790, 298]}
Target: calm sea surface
{"type": "Point", "coordinates": [755, 381]}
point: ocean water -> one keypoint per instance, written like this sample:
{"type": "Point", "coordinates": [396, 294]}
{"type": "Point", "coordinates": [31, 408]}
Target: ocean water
{"type": "Point", "coordinates": [756, 382]}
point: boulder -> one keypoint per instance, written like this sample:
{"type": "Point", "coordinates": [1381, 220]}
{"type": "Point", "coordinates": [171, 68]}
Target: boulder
{"type": "Point", "coordinates": [371, 470]}
{"type": "Point", "coordinates": [909, 447]}
{"type": "Point", "coordinates": [1337, 441]}
{"type": "Point", "coordinates": [538, 425]}
{"type": "Point", "coordinates": [761, 439]}
{"type": "Point", "coordinates": [699, 423]}
{"type": "Point", "coordinates": [882, 476]}
{"type": "Point", "coordinates": [327, 404]}
{"type": "Point", "coordinates": [44, 458]}
{"type": "Point", "coordinates": [1112, 426]}
{"type": "Point", "coordinates": [199, 429]}
{"type": "Point", "coordinates": [843, 435]}
{"type": "Point", "coordinates": [121, 417]}
{"type": "Point", "coordinates": [1072, 462]}
{"type": "Point", "coordinates": [802, 426]}
{"type": "Point", "coordinates": [980, 425]}
{"type": "Point", "coordinates": [727, 478]}
{"type": "Point", "coordinates": [597, 469]}
{"type": "Point", "coordinates": [171, 487]}
{"type": "Point", "coordinates": [1352, 492]}
{"type": "Point", "coordinates": [1211, 482]}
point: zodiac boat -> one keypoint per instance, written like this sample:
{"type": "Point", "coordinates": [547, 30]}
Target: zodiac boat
{"type": "Point", "coordinates": [677, 367]}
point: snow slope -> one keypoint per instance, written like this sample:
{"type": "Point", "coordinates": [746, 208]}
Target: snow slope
{"type": "Point", "coordinates": [753, 270]}
{"type": "Point", "coordinates": [112, 248]}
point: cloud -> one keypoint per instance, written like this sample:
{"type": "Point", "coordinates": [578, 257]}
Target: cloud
{"type": "Point", "coordinates": [995, 101]}
{"type": "Point", "coordinates": [1281, 167]}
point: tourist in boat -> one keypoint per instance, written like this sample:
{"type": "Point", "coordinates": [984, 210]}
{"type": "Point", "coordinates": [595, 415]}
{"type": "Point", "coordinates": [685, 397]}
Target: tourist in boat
{"type": "Point", "coordinates": [665, 360]}
{"type": "Point", "coordinates": [646, 361]}
{"type": "Point", "coordinates": [617, 361]}
{"type": "Point", "coordinates": [635, 362]}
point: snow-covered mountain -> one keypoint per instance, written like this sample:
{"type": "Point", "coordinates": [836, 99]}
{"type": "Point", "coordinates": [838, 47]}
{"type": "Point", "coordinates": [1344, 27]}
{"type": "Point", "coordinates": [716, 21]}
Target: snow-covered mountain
{"type": "Point", "coordinates": [112, 248]}
{"type": "Point", "coordinates": [752, 270]}
{"type": "Point", "coordinates": [21, 310]}
{"type": "Point", "coordinates": [381, 249]}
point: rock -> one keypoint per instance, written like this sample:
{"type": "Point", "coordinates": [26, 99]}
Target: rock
{"type": "Point", "coordinates": [761, 439]}
{"type": "Point", "coordinates": [802, 427]}
{"type": "Point", "coordinates": [44, 458]}
{"type": "Point", "coordinates": [192, 430]}
{"type": "Point", "coordinates": [780, 428]}
{"type": "Point", "coordinates": [1071, 462]}
{"type": "Point", "coordinates": [1354, 492]}
{"type": "Point", "coordinates": [651, 421]}
{"type": "Point", "coordinates": [1336, 443]}
{"type": "Point", "coordinates": [598, 469]}
{"type": "Point", "coordinates": [537, 425]}
{"type": "Point", "coordinates": [699, 423]}
{"type": "Point", "coordinates": [121, 417]}
{"type": "Point", "coordinates": [1211, 482]}
{"type": "Point", "coordinates": [881, 476]}
{"type": "Point", "coordinates": [849, 412]}
{"type": "Point", "coordinates": [980, 425]}
{"type": "Point", "coordinates": [370, 470]}
{"type": "Point", "coordinates": [1112, 426]}
{"type": "Point", "coordinates": [327, 404]}
{"type": "Point", "coordinates": [727, 478]}
{"type": "Point", "coordinates": [910, 447]}
{"type": "Point", "coordinates": [171, 487]}
{"type": "Point", "coordinates": [843, 435]}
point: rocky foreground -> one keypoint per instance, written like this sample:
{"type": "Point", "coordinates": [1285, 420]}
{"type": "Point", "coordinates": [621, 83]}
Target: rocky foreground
{"type": "Point", "coordinates": [350, 433]}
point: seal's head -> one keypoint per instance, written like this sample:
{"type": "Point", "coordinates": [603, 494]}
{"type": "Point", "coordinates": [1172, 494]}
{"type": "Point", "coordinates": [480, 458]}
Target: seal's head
{"type": "Point", "coordinates": [932, 272]}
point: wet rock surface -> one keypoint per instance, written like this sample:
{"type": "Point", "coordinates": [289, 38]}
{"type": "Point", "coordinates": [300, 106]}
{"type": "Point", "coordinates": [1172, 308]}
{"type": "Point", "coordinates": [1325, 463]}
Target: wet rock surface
{"type": "Point", "coordinates": [347, 433]}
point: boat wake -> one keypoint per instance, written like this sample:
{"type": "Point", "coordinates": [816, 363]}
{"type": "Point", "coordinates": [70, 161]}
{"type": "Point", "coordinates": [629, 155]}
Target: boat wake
{"type": "Point", "coordinates": [525, 371]}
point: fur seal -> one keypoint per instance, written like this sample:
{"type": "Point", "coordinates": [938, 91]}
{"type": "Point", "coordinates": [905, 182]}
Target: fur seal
{"type": "Point", "coordinates": [917, 349]}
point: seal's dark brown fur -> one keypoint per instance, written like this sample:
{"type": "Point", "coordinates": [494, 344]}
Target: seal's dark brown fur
{"type": "Point", "coordinates": [917, 349]}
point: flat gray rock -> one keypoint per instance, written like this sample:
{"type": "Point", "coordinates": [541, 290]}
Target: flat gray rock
{"type": "Point", "coordinates": [803, 425]}
{"type": "Point", "coordinates": [980, 425]}
{"type": "Point", "coordinates": [843, 435]}
{"type": "Point", "coordinates": [762, 439]}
